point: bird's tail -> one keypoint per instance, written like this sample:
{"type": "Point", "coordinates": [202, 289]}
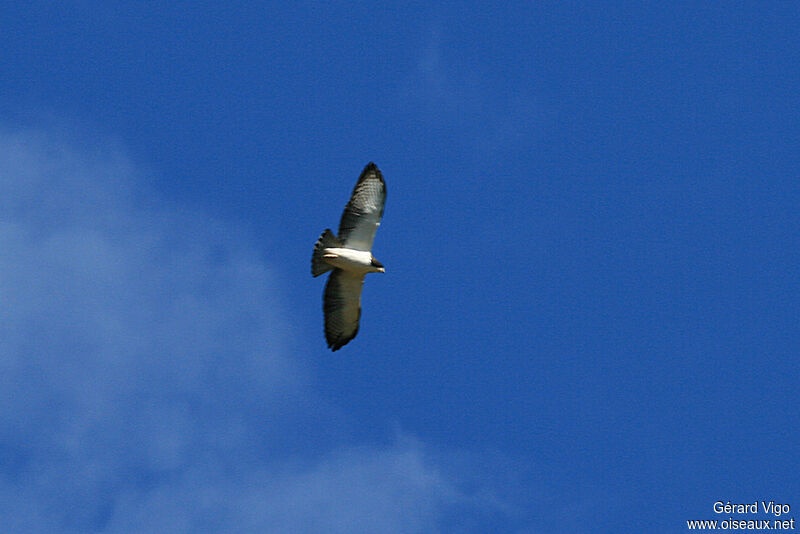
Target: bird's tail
{"type": "Point", "coordinates": [326, 240]}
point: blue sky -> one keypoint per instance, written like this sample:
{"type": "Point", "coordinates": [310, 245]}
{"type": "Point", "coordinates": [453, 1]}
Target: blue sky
{"type": "Point", "coordinates": [589, 320]}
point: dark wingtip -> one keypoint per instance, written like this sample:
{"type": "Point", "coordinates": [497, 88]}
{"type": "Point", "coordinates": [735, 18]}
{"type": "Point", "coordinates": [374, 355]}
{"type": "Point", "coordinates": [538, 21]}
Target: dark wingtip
{"type": "Point", "coordinates": [371, 168]}
{"type": "Point", "coordinates": [338, 343]}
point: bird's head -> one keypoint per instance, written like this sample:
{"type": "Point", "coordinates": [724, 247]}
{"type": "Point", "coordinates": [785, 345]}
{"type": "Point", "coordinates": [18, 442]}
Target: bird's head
{"type": "Point", "coordinates": [378, 266]}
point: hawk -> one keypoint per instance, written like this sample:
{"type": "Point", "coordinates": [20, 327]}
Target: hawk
{"type": "Point", "coordinates": [350, 258]}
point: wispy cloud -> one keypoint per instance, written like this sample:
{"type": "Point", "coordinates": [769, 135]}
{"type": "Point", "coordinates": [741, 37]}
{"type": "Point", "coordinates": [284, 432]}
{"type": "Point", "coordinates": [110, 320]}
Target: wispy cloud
{"type": "Point", "coordinates": [145, 377]}
{"type": "Point", "coordinates": [448, 90]}
{"type": "Point", "coordinates": [354, 490]}
{"type": "Point", "coordinates": [136, 340]}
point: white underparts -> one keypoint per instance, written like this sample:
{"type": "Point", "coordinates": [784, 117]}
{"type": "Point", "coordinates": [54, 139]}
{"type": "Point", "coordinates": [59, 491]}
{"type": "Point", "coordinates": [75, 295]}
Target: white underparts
{"type": "Point", "coordinates": [348, 259]}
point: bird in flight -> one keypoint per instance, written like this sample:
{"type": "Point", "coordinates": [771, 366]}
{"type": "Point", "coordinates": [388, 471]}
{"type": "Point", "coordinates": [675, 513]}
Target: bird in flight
{"type": "Point", "coordinates": [350, 258]}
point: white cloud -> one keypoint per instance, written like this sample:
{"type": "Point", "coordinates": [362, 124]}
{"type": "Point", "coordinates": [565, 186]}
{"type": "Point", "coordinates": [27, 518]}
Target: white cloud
{"type": "Point", "coordinates": [145, 383]}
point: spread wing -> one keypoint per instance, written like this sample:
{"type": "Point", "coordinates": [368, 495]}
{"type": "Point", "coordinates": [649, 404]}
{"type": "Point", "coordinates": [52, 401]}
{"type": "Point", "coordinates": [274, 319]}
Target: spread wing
{"type": "Point", "coordinates": [363, 213]}
{"type": "Point", "coordinates": [342, 307]}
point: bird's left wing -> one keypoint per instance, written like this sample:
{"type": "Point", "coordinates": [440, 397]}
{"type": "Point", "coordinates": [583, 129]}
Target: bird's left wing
{"type": "Point", "coordinates": [342, 307]}
{"type": "Point", "coordinates": [363, 213]}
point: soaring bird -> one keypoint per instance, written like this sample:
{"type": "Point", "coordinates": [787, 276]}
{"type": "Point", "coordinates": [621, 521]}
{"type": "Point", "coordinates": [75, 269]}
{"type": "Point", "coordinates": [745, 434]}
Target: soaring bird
{"type": "Point", "coordinates": [349, 256]}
